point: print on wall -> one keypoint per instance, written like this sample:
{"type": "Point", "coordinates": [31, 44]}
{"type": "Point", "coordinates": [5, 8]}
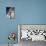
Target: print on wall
{"type": "Point", "coordinates": [32, 32]}
{"type": "Point", "coordinates": [10, 12]}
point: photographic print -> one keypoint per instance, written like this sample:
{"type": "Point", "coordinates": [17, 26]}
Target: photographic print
{"type": "Point", "coordinates": [10, 12]}
{"type": "Point", "coordinates": [29, 34]}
